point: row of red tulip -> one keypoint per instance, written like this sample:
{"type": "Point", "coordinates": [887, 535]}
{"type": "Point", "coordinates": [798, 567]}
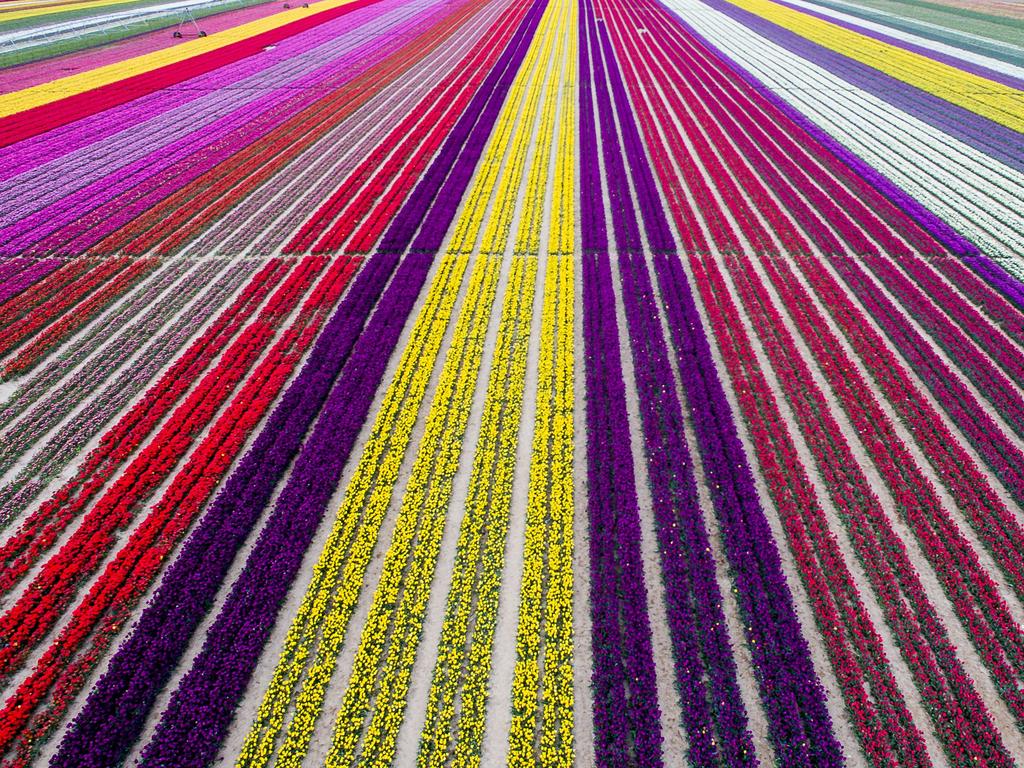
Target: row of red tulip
{"type": "Point", "coordinates": [873, 732]}
{"type": "Point", "coordinates": [41, 529]}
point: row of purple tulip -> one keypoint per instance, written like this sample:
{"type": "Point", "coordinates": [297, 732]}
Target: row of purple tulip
{"type": "Point", "coordinates": [627, 717]}
{"type": "Point", "coordinates": [712, 711]}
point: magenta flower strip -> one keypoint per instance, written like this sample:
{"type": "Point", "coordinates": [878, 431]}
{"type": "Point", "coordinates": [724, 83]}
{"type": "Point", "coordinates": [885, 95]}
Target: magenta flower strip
{"type": "Point", "coordinates": [27, 277]}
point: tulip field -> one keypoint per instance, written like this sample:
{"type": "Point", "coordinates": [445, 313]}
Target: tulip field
{"type": "Point", "coordinates": [515, 382]}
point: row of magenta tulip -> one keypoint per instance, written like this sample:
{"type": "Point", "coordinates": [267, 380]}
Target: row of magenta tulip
{"type": "Point", "coordinates": [92, 207]}
{"type": "Point", "coordinates": [19, 275]}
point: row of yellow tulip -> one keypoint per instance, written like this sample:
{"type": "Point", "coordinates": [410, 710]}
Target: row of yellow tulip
{"type": "Point", "coordinates": [507, 147]}
{"type": "Point", "coordinates": [458, 694]}
{"type": "Point", "coordinates": [454, 727]}
{"type": "Point", "coordinates": [373, 706]}
{"type": "Point", "coordinates": [542, 686]}
{"type": "Point", "coordinates": [980, 95]}
{"type": "Point", "coordinates": [542, 724]}
{"type": "Point", "coordinates": [16, 11]}
{"type": "Point", "coordinates": [296, 694]}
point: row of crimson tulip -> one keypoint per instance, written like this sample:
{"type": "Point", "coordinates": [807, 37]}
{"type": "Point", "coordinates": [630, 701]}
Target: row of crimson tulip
{"type": "Point", "coordinates": [965, 728]}
{"type": "Point", "coordinates": [258, 224]}
{"type": "Point", "coordinates": [148, 347]}
{"type": "Point", "coordinates": [265, 229]}
{"type": "Point", "coordinates": [946, 709]}
{"type": "Point", "coordinates": [989, 600]}
{"type": "Point", "coordinates": [977, 367]}
{"type": "Point", "coordinates": [972, 591]}
{"type": "Point", "coordinates": [824, 573]}
{"type": "Point", "coordinates": [220, 182]}
{"type": "Point", "coordinates": [961, 719]}
{"type": "Point", "coordinates": [952, 463]}
{"type": "Point", "coordinates": [119, 443]}
{"type": "Point", "coordinates": [970, 415]}
{"type": "Point", "coordinates": [881, 719]}
{"type": "Point", "coordinates": [20, 274]}
{"type": "Point", "coordinates": [627, 717]}
{"type": "Point", "coordinates": [64, 668]}
{"type": "Point", "coordinates": [967, 485]}
{"type": "Point", "coordinates": [74, 317]}
{"type": "Point", "coordinates": [238, 634]}
{"type": "Point", "coordinates": [56, 583]}
{"type": "Point", "coordinates": [799, 723]}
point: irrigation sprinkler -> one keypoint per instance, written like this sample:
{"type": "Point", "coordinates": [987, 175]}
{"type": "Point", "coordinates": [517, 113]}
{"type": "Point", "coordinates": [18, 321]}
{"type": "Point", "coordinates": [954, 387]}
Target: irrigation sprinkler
{"type": "Point", "coordinates": [188, 18]}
